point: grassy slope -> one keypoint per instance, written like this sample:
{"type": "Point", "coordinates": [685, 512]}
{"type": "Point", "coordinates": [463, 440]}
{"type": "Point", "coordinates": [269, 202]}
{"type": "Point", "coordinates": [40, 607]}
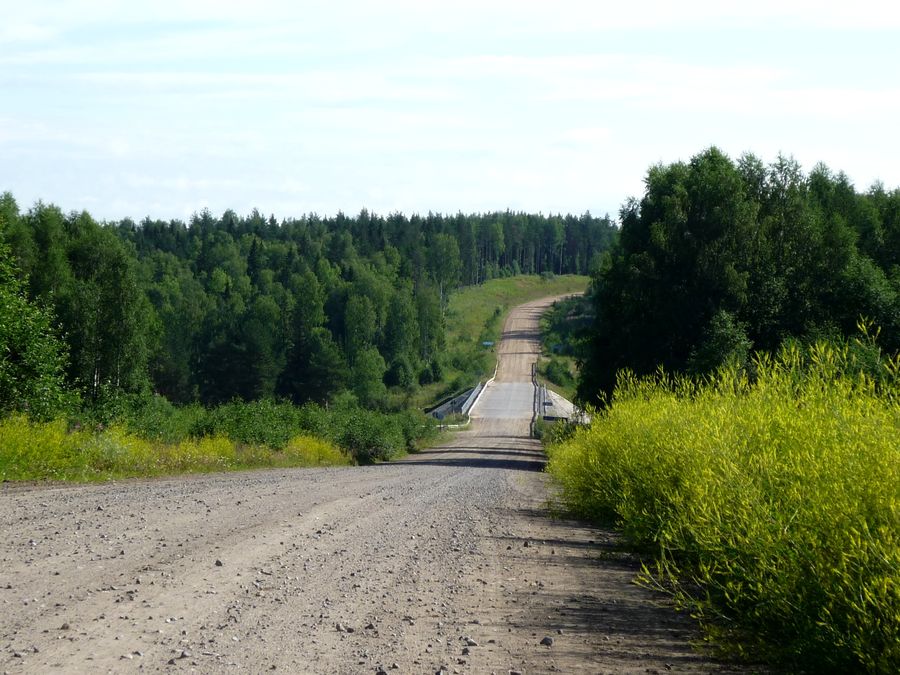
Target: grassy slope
{"type": "Point", "coordinates": [476, 314]}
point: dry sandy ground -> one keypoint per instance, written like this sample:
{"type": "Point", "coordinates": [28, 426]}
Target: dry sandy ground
{"type": "Point", "coordinates": [445, 562]}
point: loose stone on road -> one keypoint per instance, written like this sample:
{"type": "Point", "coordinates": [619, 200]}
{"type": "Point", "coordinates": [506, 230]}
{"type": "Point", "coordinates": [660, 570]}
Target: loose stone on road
{"type": "Point", "coordinates": [444, 562]}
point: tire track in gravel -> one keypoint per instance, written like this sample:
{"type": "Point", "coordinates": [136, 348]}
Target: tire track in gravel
{"type": "Point", "coordinates": [446, 561]}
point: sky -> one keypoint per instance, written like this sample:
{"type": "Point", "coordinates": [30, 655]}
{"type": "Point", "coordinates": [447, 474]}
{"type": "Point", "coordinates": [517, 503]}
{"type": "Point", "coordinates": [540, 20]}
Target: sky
{"type": "Point", "coordinates": [162, 109]}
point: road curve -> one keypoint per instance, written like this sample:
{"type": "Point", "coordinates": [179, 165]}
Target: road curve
{"type": "Point", "coordinates": [445, 561]}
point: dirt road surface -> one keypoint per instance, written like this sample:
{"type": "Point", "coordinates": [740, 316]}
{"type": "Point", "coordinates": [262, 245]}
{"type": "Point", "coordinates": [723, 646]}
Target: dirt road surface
{"type": "Point", "coordinates": [447, 561]}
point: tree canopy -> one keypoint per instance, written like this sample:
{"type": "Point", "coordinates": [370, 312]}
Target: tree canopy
{"type": "Point", "coordinates": [248, 307]}
{"type": "Point", "coordinates": [720, 257]}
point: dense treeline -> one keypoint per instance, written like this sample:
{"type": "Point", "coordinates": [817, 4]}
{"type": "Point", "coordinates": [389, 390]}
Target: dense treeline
{"type": "Point", "coordinates": [722, 258]}
{"type": "Point", "coordinates": [237, 307]}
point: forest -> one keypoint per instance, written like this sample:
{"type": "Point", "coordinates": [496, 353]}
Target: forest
{"type": "Point", "coordinates": [248, 308]}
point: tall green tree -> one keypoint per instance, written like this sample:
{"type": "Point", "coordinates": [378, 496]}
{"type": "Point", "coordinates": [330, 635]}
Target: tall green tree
{"type": "Point", "coordinates": [719, 258]}
{"type": "Point", "coordinates": [32, 357]}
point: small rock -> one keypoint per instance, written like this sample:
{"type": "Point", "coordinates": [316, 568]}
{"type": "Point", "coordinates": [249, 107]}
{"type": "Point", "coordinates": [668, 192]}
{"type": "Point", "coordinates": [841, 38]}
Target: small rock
{"type": "Point", "coordinates": [65, 626]}
{"type": "Point", "coordinates": [526, 544]}
{"type": "Point", "coordinates": [548, 641]}
{"type": "Point", "coordinates": [470, 642]}
{"type": "Point", "coordinates": [219, 563]}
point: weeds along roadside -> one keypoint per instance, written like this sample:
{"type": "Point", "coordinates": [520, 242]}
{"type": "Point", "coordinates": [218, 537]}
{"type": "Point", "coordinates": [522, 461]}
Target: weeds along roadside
{"type": "Point", "coordinates": [772, 509]}
{"type": "Point", "coordinates": [151, 437]}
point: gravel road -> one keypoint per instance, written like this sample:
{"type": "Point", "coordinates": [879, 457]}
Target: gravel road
{"type": "Point", "coordinates": [445, 561]}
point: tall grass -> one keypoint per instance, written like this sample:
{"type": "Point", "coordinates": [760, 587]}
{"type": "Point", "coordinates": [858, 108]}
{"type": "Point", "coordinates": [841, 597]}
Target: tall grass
{"type": "Point", "coordinates": [772, 507]}
{"type": "Point", "coordinates": [149, 437]}
{"type": "Point", "coordinates": [32, 450]}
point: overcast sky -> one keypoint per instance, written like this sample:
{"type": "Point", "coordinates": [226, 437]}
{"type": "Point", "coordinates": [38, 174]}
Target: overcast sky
{"type": "Point", "coordinates": [164, 108]}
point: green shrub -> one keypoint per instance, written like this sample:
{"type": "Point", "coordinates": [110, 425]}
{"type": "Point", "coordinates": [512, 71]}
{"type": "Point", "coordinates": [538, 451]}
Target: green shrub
{"type": "Point", "coordinates": [773, 507]}
{"type": "Point", "coordinates": [264, 422]}
{"type": "Point", "coordinates": [557, 372]}
{"type": "Point", "coordinates": [369, 436]}
{"type": "Point", "coordinates": [155, 418]}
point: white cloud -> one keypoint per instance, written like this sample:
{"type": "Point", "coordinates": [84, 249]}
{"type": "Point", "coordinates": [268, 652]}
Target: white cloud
{"type": "Point", "coordinates": [168, 106]}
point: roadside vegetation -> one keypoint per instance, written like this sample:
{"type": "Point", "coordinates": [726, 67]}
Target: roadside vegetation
{"type": "Point", "coordinates": [721, 258]}
{"type": "Point", "coordinates": [564, 337]}
{"type": "Point", "coordinates": [769, 502]}
{"type": "Point", "coordinates": [153, 437]}
{"type": "Point", "coordinates": [245, 334]}
{"type": "Point", "coordinates": [32, 450]}
{"type": "Point", "coordinates": [748, 407]}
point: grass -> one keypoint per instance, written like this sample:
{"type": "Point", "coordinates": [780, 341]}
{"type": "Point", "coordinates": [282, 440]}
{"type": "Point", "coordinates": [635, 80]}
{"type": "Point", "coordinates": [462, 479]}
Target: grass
{"type": "Point", "coordinates": [476, 314]}
{"type": "Point", "coordinates": [51, 451]}
{"type": "Point", "coordinates": [772, 507]}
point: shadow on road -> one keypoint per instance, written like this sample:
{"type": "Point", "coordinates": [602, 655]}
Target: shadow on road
{"type": "Point", "coordinates": [477, 462]}
{"type": "Point", "coordinates": [511, 452]}
{"type": "Point", "coordinates": [640, 631]}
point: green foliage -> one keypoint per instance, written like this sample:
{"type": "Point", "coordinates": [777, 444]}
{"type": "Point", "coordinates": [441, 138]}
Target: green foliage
{"type": "Point", "coordinates": [564, 337]}
{"type": "Point", "coordinates": [565, 326]}
{"type": "Point", "coordinates": [369, 436]}
{"type": "Point", "coordinates": [262, 422]}
{"type": "Point", "coordinates": [724, 341]}
{"type": "Point", "coordinates": [720, 257]}
{"type": "Point", "coordinates": [557, 371]}
{"type": "Point", "coordinates": [368, 377]}
{"type": "Point", "coordinates": [366, 435]}
{"type": "Point", "coordinates": [156, 419]}
{"type": "Point", "coordinates": [140, 435]}
{"type": "Point", "coordinates": [245, 308]}
{"type": "Point", "coordinates": [772, 505]}
{"type": "Point", "coordinates": [32, 357]}
{"type": "Point", "coordinates": [49, 450]}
